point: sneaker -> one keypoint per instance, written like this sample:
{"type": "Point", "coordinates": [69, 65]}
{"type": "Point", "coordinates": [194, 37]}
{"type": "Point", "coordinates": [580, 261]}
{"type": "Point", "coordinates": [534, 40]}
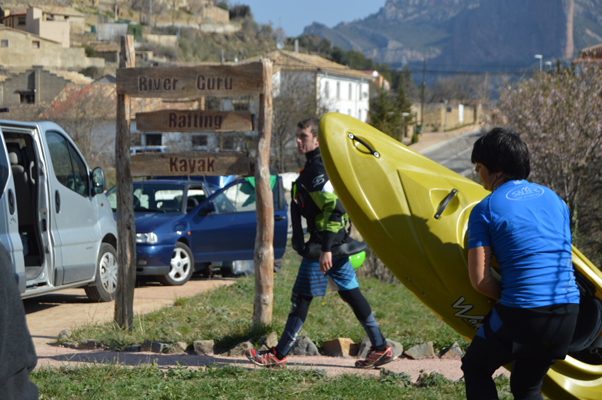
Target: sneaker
{"type": "Point", "coordinates": [265, 358]}
{"type": "Point", "coordinates": [376, 358]}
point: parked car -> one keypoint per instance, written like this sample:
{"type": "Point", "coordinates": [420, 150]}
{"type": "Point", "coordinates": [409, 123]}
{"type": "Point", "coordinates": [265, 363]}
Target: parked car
{"type": "Point", "coordinates": [55, 220]}
{"type": "Point", "coordinates": [183, 226]}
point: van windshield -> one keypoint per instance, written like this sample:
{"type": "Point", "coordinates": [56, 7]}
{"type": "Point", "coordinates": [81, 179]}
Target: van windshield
{"type": "Point", "coordinates": [163, 198]}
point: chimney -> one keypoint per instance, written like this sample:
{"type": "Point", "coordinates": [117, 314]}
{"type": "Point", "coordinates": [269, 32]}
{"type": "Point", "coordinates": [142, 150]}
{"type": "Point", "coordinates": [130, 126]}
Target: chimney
{"type": "Point", "coordinates": [296, 45]}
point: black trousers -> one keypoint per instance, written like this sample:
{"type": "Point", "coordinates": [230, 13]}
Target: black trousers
{"type": "Point", "coordinates": [532, 338]}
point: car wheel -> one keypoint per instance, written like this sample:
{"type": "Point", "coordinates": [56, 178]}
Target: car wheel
{"type": "Point", "coordinates": [105, 284]}
{"type": "Point", "coordinates": [182, 266]}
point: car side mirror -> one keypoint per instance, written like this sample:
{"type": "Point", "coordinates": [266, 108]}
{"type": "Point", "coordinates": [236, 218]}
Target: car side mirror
{"type": "Point", "coordinates": [98, 181]}
{"type": "Point", "coordinates": [207, 209]}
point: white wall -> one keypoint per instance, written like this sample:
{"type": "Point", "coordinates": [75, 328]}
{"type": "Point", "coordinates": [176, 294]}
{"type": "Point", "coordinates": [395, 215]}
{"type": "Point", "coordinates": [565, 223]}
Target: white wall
{"type": "Point", "coordinates": [347, 95]}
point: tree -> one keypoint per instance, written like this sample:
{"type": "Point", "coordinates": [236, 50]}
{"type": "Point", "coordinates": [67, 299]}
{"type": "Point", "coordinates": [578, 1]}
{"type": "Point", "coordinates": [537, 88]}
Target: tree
{"type": "Point", "coordinates": [294, 100]}
{"type": "Point", "coordinates": [559, 115]}
{"type": "Point", "coordinates": [387, 112]}
{"type": "Point", "coordinates": [383, 114]}
{"type": "Point", "coordinates": [87, 113]}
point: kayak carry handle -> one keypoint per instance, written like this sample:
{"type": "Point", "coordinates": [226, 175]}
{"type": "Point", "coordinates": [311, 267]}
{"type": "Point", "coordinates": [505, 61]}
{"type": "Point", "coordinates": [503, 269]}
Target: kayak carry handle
{"type": "Point", "coordinates": [353, 137]}
{"type": "Point", "coordinates": [449, 197]}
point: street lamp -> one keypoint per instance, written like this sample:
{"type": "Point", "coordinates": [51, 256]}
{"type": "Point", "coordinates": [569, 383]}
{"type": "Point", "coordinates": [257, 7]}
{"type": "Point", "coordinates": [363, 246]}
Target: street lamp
{"type": "Point", "coordinates": [549, 65]}
{"type": "Point", "coordinates": [540, 61]}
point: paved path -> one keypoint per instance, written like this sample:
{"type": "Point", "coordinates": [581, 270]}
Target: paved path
{"type": "Point", "coordinates": [48, 315]}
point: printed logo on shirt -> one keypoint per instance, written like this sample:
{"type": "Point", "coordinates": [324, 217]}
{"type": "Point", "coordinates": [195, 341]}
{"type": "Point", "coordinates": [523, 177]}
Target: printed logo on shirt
{"type": "Point", "coordinates": [524, 193]}
{"type": "Point", "coordinates": [318, 180]}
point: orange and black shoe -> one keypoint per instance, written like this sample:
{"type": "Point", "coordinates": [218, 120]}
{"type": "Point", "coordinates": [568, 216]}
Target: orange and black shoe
{"type": "Point", "coordinates": [376, 358]}
{"type": "Point", "coordinates": [265, 358]}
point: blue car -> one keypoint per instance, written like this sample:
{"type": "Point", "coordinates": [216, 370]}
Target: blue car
{"type": "Point", "coordinates": [182, 226]}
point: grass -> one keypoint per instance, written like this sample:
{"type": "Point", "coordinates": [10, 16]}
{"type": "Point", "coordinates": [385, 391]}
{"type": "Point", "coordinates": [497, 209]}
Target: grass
{"type": "Point", "coordinates": [150, 382]}
{"type": "Point", "coordinates": [225, 314]}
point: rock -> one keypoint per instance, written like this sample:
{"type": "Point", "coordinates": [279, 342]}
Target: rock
{"type": "Point", "coordinates": [178, 348]}
{"type": "Point", "coordinates": [269, 341]}
{"type": "Point", "coordinates": [338, 347]}
{"type": "Point", "coordinates": [133, 349]}
{"type": "Point", "coordinates": [420, 351]}
{"type": "Point", "coordinates": [239, 349]}
{"type": "Point", "coordinates": [203, 347]}
{"type": "Point", "coordinates": [90, 344]}
{"type": "Point", "coordinates": [453, 352]}
{"type": "Point", "coordinates": [154, 346]}
{"type": "Point", "coordinates": [303, 346]}
{"type": "Point", "coordinates": [396, 347]}
{"type": "Point", "coordinates": [64, 334]}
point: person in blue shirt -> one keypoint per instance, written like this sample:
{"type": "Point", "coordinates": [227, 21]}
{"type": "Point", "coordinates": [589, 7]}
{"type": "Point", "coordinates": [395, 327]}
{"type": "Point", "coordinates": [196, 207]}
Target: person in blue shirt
{"type": "Point", "coordinates": [525, 226]}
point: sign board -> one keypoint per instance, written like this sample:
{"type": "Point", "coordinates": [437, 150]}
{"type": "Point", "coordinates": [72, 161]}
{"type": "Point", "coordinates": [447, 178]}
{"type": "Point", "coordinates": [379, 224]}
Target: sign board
{"type": "Point", "coordinates": [178, 82]}
{"type": "Point", "coordinates": [194, 121]}
{"type": "Point", "coordinates": [190, 163]}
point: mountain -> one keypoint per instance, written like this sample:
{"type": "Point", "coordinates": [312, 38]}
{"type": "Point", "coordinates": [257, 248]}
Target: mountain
{"type": "Point", "coordinates": [472, 34]}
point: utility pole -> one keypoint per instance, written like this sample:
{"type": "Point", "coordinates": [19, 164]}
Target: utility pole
{"type": "Point", "coordinates": [422, 95]}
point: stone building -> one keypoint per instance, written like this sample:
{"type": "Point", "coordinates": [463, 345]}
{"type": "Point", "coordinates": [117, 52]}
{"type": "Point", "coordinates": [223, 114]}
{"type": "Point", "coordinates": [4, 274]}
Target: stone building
{"type": "Point", "coordinates": [36, 85]}
{"type": "Point", "coordinates": [21, 50]}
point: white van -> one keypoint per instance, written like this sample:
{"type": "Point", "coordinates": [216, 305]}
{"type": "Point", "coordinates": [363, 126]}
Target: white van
{"type": "Point", "coordinates": [55, 220]}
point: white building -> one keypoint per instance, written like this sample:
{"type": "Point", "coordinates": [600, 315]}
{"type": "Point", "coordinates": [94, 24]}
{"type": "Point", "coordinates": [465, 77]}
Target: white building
{"type": "Point", "coordinates": [338, 88]}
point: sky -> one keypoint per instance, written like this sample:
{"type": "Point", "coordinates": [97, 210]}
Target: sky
{"type": "Point", "coordinates": [294, 15]}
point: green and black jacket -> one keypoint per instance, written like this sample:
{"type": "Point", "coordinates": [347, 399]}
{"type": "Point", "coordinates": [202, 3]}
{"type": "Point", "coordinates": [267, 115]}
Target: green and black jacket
{"type": "Point", "coordinates": [316, 201]}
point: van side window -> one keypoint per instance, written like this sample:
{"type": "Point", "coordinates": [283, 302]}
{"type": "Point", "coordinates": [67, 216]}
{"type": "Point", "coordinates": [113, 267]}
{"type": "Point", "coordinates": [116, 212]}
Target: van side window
{"type": "Point", "coordinates": [69, 168]}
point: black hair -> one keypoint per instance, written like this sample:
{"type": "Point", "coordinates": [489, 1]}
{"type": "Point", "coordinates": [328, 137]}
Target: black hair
{"type": "Point", "coordinates": [502, 151]}
{"type": "Point", "coordinates": [311, 123]}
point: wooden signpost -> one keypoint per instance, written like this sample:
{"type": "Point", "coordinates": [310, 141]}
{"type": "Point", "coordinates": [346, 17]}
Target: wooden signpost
{"type": "Point", "coordinates": [190, 163]}
{"type": "Point", "coordinates": [178, 82]}
{"type": "Point", "coordinates": [194, 121]}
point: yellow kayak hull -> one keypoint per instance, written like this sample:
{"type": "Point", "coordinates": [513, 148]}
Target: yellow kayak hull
{"type": "Point", "coordinates": [405, 207]}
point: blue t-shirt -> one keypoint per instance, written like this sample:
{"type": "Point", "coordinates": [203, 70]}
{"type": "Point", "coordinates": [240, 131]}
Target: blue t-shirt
{"type": "Point", "coordinates": [527, 227]}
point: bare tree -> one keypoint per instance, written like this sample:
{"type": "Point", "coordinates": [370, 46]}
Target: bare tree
{"type": "Point", "coordinates": [559, 115]}
{"type": "Point", "coordinates": [461, 88]}
{"type": "Point", "coordinates": [88, 115]}
{"type": "Point", "coordinates": [295, 99]}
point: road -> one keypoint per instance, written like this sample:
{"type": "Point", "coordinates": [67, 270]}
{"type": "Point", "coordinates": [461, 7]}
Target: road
{"type": "Point", "coordinates": [66, 309]}
{"type": "Point", "coordinates": [454, 153]}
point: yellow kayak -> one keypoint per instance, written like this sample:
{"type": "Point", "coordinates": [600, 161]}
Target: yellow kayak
{"type": "Point", "coordinates": [413, 213]}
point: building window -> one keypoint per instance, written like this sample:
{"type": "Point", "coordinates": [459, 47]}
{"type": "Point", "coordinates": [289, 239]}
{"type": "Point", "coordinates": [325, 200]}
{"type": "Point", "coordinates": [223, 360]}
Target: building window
{"type": "Point", "coordinates": [27, 98]}
{"type": "Point", "coordinates": [338, 90]}
{"type": "Point", "coordinates": [326, 90]}
{"type": "Point", "coordinates": [350, 92]}
{"type": "Point", "coordinates": [35, 44]}
{"type": "Point", "coordinates": [22, 21]}
{"type": "Point", "coordinates": [359, 92]}
{"type": "Point", "coordinates": [153, 139]}
{"type": "Point", "coordinates": [228, 142]}
{"type": "Point", "coordinates": [199, 141]}
{"type": "Point", "coordinates": [359, 115]}
{"type": "Point", "coordinates": [349, 112]}
{"type": "Point", "coordinates": [4, 43]}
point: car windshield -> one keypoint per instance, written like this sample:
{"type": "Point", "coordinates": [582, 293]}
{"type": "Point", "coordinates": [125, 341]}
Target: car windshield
{"type": "Point", "coordinates": [152, 197]}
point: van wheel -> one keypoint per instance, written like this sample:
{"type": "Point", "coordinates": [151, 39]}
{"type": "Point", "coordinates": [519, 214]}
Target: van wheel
{"type": "Point", "coordinates": [105, 284]}
{"type": "Point", "coordinates": [182, 265]}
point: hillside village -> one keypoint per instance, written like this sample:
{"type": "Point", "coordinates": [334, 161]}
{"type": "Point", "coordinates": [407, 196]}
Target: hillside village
{"type": "Point", "coordinates": [59, 62]}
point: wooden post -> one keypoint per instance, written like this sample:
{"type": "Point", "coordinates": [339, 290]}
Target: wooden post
{"type": "Point", "coordinates": [264, 250]}
{"type": "Point", "coordinates": [126, 229]}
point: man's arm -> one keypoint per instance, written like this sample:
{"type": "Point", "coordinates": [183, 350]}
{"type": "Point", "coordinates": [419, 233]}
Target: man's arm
{"type": "Point", "coordinates": [479, 270]}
